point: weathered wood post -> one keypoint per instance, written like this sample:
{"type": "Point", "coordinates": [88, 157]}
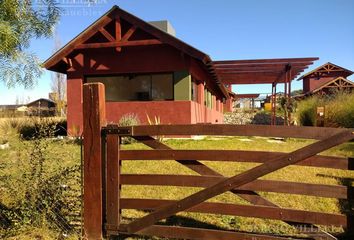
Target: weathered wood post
{"type": "Point", "coordinates": [94, 117]}
{"type": "Point", "coordinates": [112, 181]}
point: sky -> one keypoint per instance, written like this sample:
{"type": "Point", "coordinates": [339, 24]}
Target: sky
{"type": "Point", "coordinates": [224, 29]}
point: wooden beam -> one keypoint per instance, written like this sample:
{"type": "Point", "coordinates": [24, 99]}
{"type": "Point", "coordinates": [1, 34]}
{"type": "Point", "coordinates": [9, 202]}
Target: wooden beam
{"type": "Point", "coordinates": [119, 44]}
{"type": "Point", "coordinates": [266, 212]}
{"type": "Point", "coordinates": [118, 29]}
{"type": "Point", "coordinates": [129, 33]}
{"type": "Point", "coordinates": [309, 189]}
{"type": "Point", "coordinates": [235, 130]}
{"type": "Point", "coordinates": [238, 180]}
{"type": "Point", "coordinates": [107, 34]}
{"type": "Point", "coordinates": [275, 60]}
{"type": "Point", "coordinates": [260, 66]}
{"type": "Point", "coordinates": [173, 232]}
{"type": "Point", "coordinates": [234, 156]}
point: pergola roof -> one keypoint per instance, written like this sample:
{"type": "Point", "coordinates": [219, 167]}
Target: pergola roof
{"type": "Point", "coordinates": [260, 71]}
{"type": "Point", "coordinates": [247, 95]}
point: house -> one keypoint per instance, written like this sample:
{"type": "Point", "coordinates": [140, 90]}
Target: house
{"type": "Point", "coordinates": [41, 107]}
{"type": "Point", "coordinates": [326, 79]}
{"type": "Point", "coordinates": [145, 70]}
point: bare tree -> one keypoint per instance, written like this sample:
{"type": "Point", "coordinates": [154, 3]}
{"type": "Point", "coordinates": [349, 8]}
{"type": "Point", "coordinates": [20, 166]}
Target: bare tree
{"type": "Point", "coordinates": [58, 86]}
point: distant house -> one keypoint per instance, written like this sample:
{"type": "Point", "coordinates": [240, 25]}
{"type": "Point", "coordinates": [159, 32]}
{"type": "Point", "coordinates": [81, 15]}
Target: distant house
{"type": "Point", "coordinates": [146, 70]}
{"type": "Point", "coordinates": [326, 79]}
{"type": "Point", "coordinates": [41, 107]}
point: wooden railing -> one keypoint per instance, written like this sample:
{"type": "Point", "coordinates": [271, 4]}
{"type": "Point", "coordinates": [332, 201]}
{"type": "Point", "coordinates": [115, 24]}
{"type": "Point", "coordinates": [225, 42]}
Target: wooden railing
{"type": "Point", "coordinates": [103, 179]}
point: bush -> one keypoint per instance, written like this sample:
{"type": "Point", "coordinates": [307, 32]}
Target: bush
{"type": "Point", "coordinates": [129, 119]}
{"type": "Point", "coordinates": [30, 128]}
{"type": "Point", "coordinates": [38, 194]}
{"type": "Point", "coordinates": [306, 111]}
{"type": "Point", "coordinates": [339, 110]}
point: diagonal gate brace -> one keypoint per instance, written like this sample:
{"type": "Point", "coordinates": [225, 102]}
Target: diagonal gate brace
{"type": "Point", "coordinates": [239, 180]}
{"type": "Point", "coordinates": [250, 196]}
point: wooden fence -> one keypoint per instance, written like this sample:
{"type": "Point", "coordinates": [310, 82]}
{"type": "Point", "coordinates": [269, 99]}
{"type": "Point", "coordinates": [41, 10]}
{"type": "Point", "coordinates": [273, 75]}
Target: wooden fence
{"type": "Point", "coordinates": [103, 180]}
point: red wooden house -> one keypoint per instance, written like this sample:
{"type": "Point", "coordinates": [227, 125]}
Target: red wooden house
{"type": "Point", "coordinates": [146, 71]}
{"type": "Point", "coordinates": [326, 79]}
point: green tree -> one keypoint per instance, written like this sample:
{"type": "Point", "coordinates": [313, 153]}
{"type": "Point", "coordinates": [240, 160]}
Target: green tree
{"type": "Point", "coordinates": [21, 21]}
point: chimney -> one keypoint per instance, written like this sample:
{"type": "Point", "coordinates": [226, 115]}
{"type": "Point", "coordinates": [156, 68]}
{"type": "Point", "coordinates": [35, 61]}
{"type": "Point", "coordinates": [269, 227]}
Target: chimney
{"type": "Point", "coordinates": [165, 26]}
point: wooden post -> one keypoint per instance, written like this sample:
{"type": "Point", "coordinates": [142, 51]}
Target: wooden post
{"type": "Point", "coordinates": [286, 98]}
{"type": "Point", "coordinates": [112, 181]}
{"type": "Point", "coordinates": [93, 119]}
{"type": "Point", "coordinates": [289, 97]}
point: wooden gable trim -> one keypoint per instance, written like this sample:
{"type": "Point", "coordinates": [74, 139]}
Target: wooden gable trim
{"type": "Point", "coordinates": [116, 14]}
{"type": "Point", "coordinates": [327, 67]}
{"type": "Point", "coordinates": [82, 37]}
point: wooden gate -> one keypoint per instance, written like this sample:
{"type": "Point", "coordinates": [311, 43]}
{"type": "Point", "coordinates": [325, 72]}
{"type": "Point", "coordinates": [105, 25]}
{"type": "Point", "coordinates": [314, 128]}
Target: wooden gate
{"type": "Point", "coordinates": [102, 177]}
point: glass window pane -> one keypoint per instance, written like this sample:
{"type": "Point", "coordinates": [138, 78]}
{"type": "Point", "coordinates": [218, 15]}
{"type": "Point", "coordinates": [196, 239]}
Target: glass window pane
{"type": "Point", "coordinates": [162, 87]}
{"type": "Point", "coordinates": [141, 85]}
{"type": "Point", "coordinates": [136, 87]}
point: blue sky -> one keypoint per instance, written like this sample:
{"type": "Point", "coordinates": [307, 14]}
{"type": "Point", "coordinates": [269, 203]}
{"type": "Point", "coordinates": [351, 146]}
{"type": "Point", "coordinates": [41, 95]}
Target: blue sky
{"type": "Point", "coordinates": [224, 29]}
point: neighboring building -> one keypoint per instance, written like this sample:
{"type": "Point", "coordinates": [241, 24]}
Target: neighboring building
{"type": "Point", "coordinates": [145, 70]}
{"type": "Point", "coordinates": [326, 79]}
{"type": "Point", "coordinates": [41, 107]}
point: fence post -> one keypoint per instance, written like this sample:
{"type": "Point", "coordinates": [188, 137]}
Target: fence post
{"type": "Point", "coordinates": [94, 118]}
{"type": "Point", "coordinates": [112, 181]}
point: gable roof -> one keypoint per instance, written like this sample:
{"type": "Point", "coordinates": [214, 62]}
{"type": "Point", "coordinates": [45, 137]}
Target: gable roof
{"type": "Point", "coordinates": [324, 65]}
{"type": "Point", "coordinates": [115, 11]}
{"type": "Point", "coordinates": [108, 17]}
{"type": "Point", "coordinates": [351, 84]}
{"type": "Point", "coordinates": [41, 100]}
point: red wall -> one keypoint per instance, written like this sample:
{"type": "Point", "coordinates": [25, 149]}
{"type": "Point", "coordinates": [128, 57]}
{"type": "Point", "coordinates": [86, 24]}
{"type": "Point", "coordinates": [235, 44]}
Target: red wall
{"type": "Point", "coordinates": [311, 84]}
{"type": "Point", "coordinates": [202, 114]}
{"type": "Point", "coordinates": [168, 111]}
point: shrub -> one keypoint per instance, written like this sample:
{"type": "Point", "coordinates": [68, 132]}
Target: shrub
{"type": "Point", "coordinates": [41, 196]}
{"type": "Point", "coordinates": [339, 110]}
{"type": "Point", "coordinates": [129, 119]}
{"type": "Point", "coordinates": [306, 111]}
{"type": "Point", "coordinates": [12, 124]}
{"type": "Point", "coordinates": [29, 129]}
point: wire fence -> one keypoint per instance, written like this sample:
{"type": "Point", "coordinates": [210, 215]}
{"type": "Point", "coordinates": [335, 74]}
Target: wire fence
{"type": "Point", "coordinates": [56, 204]}
{"type": "Point", "coordinates": [53, 202]}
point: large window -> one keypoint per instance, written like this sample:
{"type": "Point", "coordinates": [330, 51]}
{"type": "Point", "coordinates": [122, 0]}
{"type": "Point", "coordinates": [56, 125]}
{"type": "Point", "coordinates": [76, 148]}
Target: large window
{"type": "Point", "coordinates": [137, 87]}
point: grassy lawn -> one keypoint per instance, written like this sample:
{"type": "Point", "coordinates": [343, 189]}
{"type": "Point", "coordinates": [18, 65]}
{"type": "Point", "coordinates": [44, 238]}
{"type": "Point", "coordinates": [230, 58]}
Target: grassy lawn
{"type": "Point", "coordinates": [62, 154]}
